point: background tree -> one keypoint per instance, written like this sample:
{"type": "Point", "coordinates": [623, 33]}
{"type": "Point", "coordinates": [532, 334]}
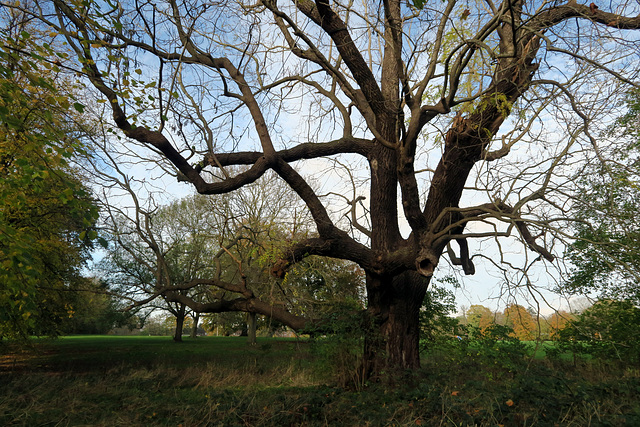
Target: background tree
{"type": "Point", "coordinates": [605, 257]}
{"type": "Point", "coordinates": [225, 323]}
{"type": "Point", "coordinates": [213, 255]}
{"type": "Point", "coordinates": [608, 329]}
{"type": "Point", "coordinates": [480, 317]}
{"type": "Point", "coordinates": [47, 214]}
{"type": "Point", "coordinates": [518, 318]}
{"type": "Point", "coordinates": [557, 322]}
{"type": "Point", "coordinates": [432, 100]}
{"type": "Point", "coordinates": [93, 311]}
{"type": "Point", "coordinates": [151, 251]}
{"type": "Point", "coordinates": [186, 253]}
{"type": "Point", "coordinates": [159, 325]}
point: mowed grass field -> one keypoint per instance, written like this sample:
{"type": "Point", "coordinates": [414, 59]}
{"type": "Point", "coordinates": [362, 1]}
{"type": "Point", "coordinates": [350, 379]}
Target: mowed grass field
{"type": "Point", "coordinates": [221, 381]}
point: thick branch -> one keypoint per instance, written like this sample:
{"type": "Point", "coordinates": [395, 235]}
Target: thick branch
{"type": "Point", "coordinates": [468, 137]}
{"type": "Point", "coordinates": [155, 138]}
{"type": "Point", "coordinates": [248, 305]}
{"type": "Point", "coordinates": [322, 14]}
{"type": "Point", "coordinates": [555, 15]}
{"type": "Point", "coordinates": [464, 260]}
{"type": "Point", "coordinates": [347, 249]}
{"type": "Point", "coordinates": [309, 150]}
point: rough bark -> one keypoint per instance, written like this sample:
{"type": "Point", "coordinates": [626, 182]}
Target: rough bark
{"type": "Point", "coordinates": [196, 320]}
{"type": "Point", "coordinates": [393, 333]}
{"type": "Point", "coordinates": [252, 323]}
{"type": "Point", "coordinates": [177, 336]}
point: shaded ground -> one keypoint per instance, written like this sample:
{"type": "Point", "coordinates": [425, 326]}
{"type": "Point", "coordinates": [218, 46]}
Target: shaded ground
{"type": "Point", "coordinates": [108, 381]}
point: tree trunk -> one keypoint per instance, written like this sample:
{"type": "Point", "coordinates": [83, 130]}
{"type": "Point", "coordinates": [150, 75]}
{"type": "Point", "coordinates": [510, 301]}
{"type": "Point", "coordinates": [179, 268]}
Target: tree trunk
{"type": "Point", "coordinates": [177, 337]}
{"type": "Point", "coordinates": [392, 336]}
{"type": "Point", "coordinates": [196, 319]}
{"type": "Point", "coordinates": [252, 328]}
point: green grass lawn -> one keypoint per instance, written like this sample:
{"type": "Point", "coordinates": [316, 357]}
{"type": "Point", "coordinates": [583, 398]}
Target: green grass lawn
{"type": "Point", "coordinates": [217, 381]}
{"type": "Point", "coordinates": [91, 353]}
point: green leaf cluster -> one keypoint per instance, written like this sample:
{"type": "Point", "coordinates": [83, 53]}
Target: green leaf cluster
{"type": "Point", "coordinates": [94, 311]}
{"type": "Point", "coordinates": [609, 329]}
{"type": "Point", "coordinates": [435, 315]}
{"type": "Point", "coordinates": [46, 212]}
{"type": "Point", "coordinates": [606, 253]}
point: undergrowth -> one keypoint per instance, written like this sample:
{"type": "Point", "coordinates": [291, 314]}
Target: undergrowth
{"type": "Point", "coordinates": [285, 383]}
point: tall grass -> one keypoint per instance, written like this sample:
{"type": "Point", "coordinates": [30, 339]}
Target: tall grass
{"type": "Point", "coordinates": [105, 381]}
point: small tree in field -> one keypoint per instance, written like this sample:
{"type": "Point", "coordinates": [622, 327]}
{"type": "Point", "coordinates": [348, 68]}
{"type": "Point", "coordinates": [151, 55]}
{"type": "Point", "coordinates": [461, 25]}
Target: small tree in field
{"type": "Point", "coordinates": [518, 318]}
{"type": "Point", "coordinates": [557, 322]}
{"type": "Point", "coordinates": [480, 317]}
{"type": "Point", "coordinates": [448, 121]}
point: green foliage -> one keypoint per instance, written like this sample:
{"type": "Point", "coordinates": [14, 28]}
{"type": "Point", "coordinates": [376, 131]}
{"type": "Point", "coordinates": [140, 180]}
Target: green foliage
{"type": "Point", "coordinates": [419, 4]}
{"type": "Point", "coordinates": [629, 123]}
{"type": "Point", "coordinates": [93, 311]}
{"type": "Point", "coordinates": [608, 330]}
{"type": "Point", "coordinates": [495, 346]}
{"type": "Point", "coordinates": [324, 287]}
{"type": "Point", "coordinates": [500, 345]}
{"type": "Point", "coordinates": [436, 323]}
{"type": "Point", "coordinates": [46, 215]}
{"type": "Point", "coordinates": [606, 253]}
{"type": "Point", "coordinates": [493, 350]}
{"type": "Point", "coordinates": [338, 343]}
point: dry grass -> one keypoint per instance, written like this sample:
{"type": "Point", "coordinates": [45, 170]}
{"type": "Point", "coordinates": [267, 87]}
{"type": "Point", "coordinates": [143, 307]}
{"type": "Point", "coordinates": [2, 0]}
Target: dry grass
{"type": "Point", "coordinates": [228, 383]}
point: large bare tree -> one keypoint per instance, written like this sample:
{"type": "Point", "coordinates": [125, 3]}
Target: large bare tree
{"type": "Point", "coordinates": [470, 117]}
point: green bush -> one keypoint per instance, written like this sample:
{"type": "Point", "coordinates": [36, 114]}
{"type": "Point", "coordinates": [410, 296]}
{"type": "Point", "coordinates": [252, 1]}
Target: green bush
{"type": "Point", "coordinates": [608, 330]}
{"type": "Point", "coordinates": [337, 344]}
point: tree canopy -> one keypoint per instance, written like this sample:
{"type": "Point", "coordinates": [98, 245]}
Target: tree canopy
{"type": "Point", "coordinates": [47, 215]}
{"type": "Point", "coordinates": [439, 121]}
{"type": "Point", "coordinates": [213, 255]}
